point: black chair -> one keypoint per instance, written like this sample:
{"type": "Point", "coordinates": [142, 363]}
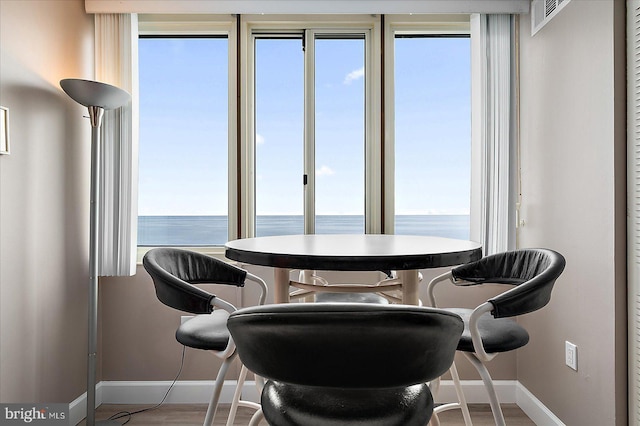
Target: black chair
{"type": "Point", "coordinates": [336, 364]}
{"type": "Point", "coordinates": [531, 274]}
{"type": "Point", "coordinates": [174, 273]}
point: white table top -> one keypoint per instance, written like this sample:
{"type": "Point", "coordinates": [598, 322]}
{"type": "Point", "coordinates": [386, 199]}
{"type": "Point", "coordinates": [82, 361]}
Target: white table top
{"type": "Point", "coordinates": [353, 252]}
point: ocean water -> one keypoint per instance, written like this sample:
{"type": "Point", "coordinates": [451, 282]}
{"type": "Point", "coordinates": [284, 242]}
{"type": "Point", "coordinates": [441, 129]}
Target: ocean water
{"type": "Point", "coordinates": [212, 230]}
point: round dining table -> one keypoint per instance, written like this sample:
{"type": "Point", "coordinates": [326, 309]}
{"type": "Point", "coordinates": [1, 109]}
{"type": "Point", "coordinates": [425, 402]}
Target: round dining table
{"type": "Point", "coordinates": [405, 254]}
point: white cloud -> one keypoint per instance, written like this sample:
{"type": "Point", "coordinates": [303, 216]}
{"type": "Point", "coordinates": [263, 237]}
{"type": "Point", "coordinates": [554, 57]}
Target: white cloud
{"type": "Point", "coordinates": [259, 139]}
{"type": "Point", "coordinates": [354, 75]}
{"type": "Point", "coordinates": [324, 171]}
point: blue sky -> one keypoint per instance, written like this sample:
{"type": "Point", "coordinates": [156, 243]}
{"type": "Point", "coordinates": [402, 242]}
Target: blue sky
{"type": "Point", "coordinates": [432, 125]}
{"type": "Point", "coordinates": [183, 91]}
{"type": "Point", "coordinates": [339, 126]}
{"type": "Point", "coordinates": [183, 127]}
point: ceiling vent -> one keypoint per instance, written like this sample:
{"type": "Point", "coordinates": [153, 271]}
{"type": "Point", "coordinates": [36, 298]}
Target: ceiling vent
{"type": "Point", "coordinates": [542, 11]}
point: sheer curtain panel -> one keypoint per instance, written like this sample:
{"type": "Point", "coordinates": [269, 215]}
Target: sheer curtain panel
{"type": "Point", "coordinates": [116, 59]}
{"type": "Point", "coordinates": [494, 131]}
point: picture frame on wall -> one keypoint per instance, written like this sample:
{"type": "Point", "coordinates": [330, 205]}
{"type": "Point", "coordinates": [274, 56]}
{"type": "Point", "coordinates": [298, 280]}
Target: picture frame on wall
{"type": "Point", "coordinates": [4, 130]}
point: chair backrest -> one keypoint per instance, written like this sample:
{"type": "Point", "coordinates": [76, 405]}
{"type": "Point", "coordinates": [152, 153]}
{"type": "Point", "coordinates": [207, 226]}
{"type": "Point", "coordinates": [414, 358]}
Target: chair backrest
{"type": "Point", "coordinates": [174, 271]}
{"type": "Point", "coordinates": [346, 345]}
{"type": "Point", "coordinates": [533, 272]}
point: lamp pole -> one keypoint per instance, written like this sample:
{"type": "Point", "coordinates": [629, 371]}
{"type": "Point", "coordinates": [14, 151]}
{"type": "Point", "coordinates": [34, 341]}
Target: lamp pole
{"type": "Point", "coordinates": [97, 97]}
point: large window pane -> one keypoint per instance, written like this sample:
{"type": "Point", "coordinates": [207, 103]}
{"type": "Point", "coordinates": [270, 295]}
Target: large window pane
{"type": "Point", "coordinates": [339, 135]}
{"type": "Point", "coordinates": [183, 141]}
{"type": "Point", "coordinates": [432, 136]}
{"type": "Point", "coordinates": [279, 103]}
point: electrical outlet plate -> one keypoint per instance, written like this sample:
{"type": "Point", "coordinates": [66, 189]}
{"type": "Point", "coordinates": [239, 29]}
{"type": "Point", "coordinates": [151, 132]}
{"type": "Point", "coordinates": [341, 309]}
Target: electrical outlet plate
{"type": "Point", "coordinates": [571, 355]}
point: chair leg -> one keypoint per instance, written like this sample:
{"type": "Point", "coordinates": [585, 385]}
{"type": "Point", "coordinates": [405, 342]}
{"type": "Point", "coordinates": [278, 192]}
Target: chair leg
{"type": "Point", "coordinates": [460, 394]}
{"type": "Point", "coordinates": [257, 417]}
{"type": "Point", "coordinates": [236, 396]}
{"type": "Point", "coordinates": [488, 384]}
{"type": "Point", "coordinates": [217, 389]}
{"type": "Point", "coordinates": [462, 401]}
{"type": "Point", "coordinates": [434, 387]}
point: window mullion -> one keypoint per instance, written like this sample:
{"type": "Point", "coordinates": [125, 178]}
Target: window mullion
{"type": "Point", "coordinates": [373, 136]}
{"type": "Point", "coordinates": [389, 136]}
{"type": "Point", "coordinates": [246, 192]}
{"type": "Point", "coordinates": [309, 132]}
{"type": "Point", "coordinates": [234, 132]}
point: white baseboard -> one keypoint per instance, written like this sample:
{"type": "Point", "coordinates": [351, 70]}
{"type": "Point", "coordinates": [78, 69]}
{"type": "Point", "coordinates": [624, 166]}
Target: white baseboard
{"type": "Point", "coordinates": [199, 392]}
{"type": "Point", "coordinates": [152, 392]}
{"type": "Point", "coordinates": [78, 407]}
{"type": "Point", "coordinates": [183, 392]}
{"type": "Point", "coordinates": [475, 393]}
{"type": "Point", "coordinates": [535, 409]}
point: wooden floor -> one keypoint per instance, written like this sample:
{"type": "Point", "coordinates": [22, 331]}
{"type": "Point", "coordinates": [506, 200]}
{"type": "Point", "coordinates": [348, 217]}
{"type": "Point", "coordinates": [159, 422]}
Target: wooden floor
{"type": "Point", "coordinates": [193, 415]}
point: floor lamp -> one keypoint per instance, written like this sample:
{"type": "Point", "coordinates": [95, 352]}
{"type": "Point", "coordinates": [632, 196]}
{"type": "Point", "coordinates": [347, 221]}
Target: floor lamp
{"type": "Point", "coordinates": [97, 97]}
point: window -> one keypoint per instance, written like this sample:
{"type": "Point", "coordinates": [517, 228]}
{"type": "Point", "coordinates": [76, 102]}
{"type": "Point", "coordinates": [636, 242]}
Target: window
{"type": "Point", "coordinates": [339, 140]}
{"type": "Point", "coordinates": [299, 130]}
{"type": "Point", "coordinates": [309, 131]}
{"type": "Point", "coordinates": [183, 141]}
{"type": "Point", "coordinates": [432, 135]}
{"type": "Point", "coordinates": [279, 136]}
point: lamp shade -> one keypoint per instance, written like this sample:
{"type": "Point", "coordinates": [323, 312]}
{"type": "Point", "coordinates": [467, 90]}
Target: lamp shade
{"type": "Point", "coordinates": [94, 94]}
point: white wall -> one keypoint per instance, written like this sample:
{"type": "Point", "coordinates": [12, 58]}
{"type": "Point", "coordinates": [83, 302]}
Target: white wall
{"type": "Point", "coordinates": [572, 113]}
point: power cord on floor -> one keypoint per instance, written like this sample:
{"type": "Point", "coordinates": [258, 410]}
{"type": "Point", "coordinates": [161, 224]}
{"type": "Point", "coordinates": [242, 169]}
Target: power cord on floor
{"type": "Point", "coordinates": [128, 414]}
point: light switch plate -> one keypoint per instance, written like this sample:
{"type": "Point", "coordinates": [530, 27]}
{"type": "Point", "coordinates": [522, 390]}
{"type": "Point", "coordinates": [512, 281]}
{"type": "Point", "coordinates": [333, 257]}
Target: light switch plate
{"type": "Point", "coordinates": [571, 355]}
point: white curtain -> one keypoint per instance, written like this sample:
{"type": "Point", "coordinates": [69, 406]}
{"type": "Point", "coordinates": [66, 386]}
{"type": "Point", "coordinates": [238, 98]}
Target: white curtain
{"type": "Point", "coordinates": [495, 131]}
{"type": "Point", "coordinates": [116, 59]}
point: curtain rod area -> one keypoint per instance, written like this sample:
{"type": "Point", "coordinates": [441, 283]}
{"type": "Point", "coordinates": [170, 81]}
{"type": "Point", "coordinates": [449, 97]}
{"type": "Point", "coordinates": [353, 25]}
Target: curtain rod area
{"type": "Point", "coordinates": [308, 6]}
